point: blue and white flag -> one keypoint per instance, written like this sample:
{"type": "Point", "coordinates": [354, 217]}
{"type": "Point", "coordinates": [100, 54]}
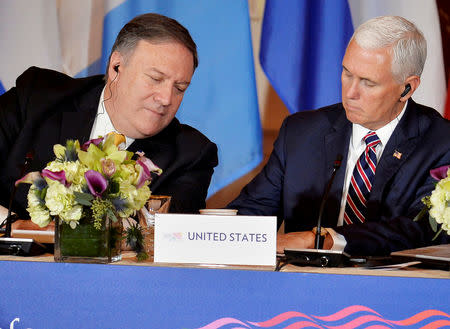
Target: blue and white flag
{"type": "Point", "coordinates": [76, 37]}
{"type": "Point", "coordinates": [303, 43]}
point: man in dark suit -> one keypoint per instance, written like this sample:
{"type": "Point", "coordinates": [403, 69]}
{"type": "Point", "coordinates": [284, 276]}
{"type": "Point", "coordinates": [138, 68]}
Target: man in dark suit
{"type": "Point", "coordinates": [150, 68]}
{"type": "Point", "coordinates": [381, 70]}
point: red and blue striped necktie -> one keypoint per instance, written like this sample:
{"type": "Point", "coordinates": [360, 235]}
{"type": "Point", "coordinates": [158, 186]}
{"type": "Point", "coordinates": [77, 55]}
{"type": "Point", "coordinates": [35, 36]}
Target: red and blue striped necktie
{"type": "Point", "coordinates": [361, 182]}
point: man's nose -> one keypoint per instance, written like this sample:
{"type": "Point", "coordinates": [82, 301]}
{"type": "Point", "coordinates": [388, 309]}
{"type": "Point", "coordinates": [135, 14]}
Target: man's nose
{"type": "Point", "coordinates": [352, 90]}
{"type": "Point", "coordinates": [164, 94]}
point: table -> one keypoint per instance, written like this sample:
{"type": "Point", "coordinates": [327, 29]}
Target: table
{"type": "Point", "coordinates": [38, 293]}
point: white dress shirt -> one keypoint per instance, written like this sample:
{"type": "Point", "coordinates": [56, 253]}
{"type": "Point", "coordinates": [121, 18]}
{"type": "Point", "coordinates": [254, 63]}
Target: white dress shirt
{"type": "Point", "coordinates": [103, 125]}
{"type": "Point", "coordinates": [355, 149]}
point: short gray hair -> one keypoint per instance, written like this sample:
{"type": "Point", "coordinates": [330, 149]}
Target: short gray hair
{"type": "Point", "coordinates": [408, 45]}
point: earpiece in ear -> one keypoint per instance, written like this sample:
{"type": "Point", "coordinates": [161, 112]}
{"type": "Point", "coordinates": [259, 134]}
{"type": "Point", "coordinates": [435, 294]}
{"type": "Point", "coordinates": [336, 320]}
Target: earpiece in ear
{"type": "Point", "coordinates": [406, 91]}
{"type": "Point", "coordinates": [116, 68]}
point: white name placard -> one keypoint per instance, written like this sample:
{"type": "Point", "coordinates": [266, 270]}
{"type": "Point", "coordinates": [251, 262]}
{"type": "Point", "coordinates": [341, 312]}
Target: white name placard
{"type": "Point", "coordinates": [215, 239]}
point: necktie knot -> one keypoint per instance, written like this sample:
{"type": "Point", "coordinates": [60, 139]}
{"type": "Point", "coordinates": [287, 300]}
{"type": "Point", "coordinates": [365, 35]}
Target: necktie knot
{"type": "Point", "coordinates": [371, 139]}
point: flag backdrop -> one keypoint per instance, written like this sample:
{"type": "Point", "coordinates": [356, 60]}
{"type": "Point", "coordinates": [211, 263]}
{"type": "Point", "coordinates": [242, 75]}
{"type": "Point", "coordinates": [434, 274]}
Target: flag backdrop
{"type": "Point", "coordinates": [76, 37]}
{"type": "Point", "coordinates": [301, 51]}
{"type": "Point", "coordinates": [303, 43]}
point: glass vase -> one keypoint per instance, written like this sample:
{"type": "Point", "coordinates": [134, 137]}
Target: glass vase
{"type": "Point", "coordinates": [155, 204]}
{"type": "Point", "coordinates": [86, 244]}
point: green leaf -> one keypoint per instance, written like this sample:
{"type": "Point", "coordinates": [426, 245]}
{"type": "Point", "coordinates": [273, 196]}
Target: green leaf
{"type": "Point", "coordinates": [111, 215]}
{"type": "Point", "coordinates": [43, 193]}
{"type": "Point", "coordinates": [433, 224]}
{"type": "Point", "coordinates": [437, 234]}
{"type": "Point", "coordinates": [135, 239]}
{"type": "Point", "coordinates": [421, 214]}
{"type": "Point", "coordinates": [83, 198]}
{"type": "Point", "coordinates": [141, 256]}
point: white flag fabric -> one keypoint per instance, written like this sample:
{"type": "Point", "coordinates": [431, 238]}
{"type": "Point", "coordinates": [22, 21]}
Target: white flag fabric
{"type": "Point", "coordinates": [28, 36]}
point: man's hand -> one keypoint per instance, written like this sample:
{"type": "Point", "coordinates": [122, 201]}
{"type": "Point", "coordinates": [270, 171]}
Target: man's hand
{"type": "Point", "coordinates": [300, 240]}
{"type": "Point", "coordinates": [3, 214]}
{"type": "Point", "coordinates": [295, 240]}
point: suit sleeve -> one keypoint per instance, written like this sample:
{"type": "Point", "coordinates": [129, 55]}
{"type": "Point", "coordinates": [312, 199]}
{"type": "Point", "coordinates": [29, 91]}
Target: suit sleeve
{"type": "Point", "coordinates": [262, 196]}
{"type": "Point", "coordinates": [12, 118]}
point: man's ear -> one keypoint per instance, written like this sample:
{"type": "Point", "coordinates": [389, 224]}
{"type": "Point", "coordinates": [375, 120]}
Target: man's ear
{"type": "Point", "coordinates": [411, 84]}
{"type": "Point", "coordinates": [114, 63]}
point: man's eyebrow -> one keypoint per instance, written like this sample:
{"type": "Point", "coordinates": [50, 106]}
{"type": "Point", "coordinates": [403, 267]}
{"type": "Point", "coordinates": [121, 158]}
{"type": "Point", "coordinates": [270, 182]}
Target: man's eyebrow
{"type": "Point", "coordinates": [155, 70]}
{"type": "Point", "coordinates": [165, 75]}
{"type": "Point", "coordinates": [361, 78]}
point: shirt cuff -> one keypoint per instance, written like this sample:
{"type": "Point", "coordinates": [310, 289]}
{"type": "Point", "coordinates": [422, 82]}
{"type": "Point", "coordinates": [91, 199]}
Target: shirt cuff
{"type": "Point", "coordinates": [339, 241]}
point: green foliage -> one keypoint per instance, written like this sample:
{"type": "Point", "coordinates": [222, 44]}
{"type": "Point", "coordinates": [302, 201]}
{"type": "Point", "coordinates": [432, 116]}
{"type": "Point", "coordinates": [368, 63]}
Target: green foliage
{"type": "Point", "coordinates": [100, 209]}
{"type": "Point", "coordinates": [433, 224]}
{"type": "Point", "coordinates": [83, 198]}
{"type": "Point", "coordinates": [110, 213]}
{"type": "Point", "coordinates": [71, 150]}
{"type": "Point", "coordinates": [141, 256]}
{"type": "Point", "coordinates": [135, 239]}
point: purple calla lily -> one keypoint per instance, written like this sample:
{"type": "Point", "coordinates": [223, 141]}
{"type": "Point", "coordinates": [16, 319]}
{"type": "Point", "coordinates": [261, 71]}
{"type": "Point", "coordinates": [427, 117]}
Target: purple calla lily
{"type": "Point", "coordinates": [29, 178]}
{"type": "Point", "coordinates": [97, 184]}
{"type": "Point", "coordinates": [95, 141]}
{"type": "Point", "coordinates": [147, 163]}
{"type": "Point", "coordinates": [439, 173]}
{"type": "Point", "coordinates": [59, 176]}
{"type": "Point", "coordinates": [147, 168]}
{"type": "Point", "coordinates": [144, 175]}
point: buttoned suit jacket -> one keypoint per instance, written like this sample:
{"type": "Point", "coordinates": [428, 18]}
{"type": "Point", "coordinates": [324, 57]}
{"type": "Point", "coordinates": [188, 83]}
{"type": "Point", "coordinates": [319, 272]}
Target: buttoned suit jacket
{"type": "Point", "coordinates": [292, 183]}
{"type": "Point", "coordinates": [47, 108]}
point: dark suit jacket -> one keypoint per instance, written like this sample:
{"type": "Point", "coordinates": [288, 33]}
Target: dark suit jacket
{"type": "Point", "coordinates": [292, 183]}
{"type": "Point", "coordinates": [47, 107]}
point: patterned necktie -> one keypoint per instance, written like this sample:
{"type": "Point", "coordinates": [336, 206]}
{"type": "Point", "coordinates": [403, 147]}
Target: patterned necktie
{"type": "Point", "coordinates": [361, 182]}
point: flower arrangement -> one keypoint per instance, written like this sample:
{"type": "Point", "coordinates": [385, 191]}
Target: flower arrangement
{"type": "Point", "coordinates": [95, 180]}
{"type": "Point", "coordinates": [437, 205]}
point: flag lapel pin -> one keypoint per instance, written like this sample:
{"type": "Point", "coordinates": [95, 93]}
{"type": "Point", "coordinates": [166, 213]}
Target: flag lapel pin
{"type": "Point", "coordinates": [397, 154]}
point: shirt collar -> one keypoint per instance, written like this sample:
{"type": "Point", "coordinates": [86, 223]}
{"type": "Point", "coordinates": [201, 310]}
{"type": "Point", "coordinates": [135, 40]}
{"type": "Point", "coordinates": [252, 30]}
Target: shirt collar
{"type": "Point", "coordinates": [103, 117]}
{"type": "Point", "coordinates": [383, 133]}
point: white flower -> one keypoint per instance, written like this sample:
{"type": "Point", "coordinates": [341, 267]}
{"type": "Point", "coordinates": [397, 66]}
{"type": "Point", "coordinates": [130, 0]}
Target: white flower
{"type": "Point", "coordinates": [440, 201]}
{"type": "Point", "coordinates": [60, 200]}
{"type": "Point", "coordinates": [64, 177]}
{"type": "Point", "coordinates": [39, 214]}
{"type": "Point", "coordinates": [72, 214]}
{"type": "Point", "coordinates": [73, 170]}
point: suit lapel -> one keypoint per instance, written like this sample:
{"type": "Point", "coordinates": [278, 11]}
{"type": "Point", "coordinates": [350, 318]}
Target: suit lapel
{"type": "Point", "coordinates": [160, 149]}
{"type": "Point", "coordinates": [401, 145]}
{"type": "Point", "coordinates": [336, 142]}
{"type": "Point", "coordinates": [77, 123]}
